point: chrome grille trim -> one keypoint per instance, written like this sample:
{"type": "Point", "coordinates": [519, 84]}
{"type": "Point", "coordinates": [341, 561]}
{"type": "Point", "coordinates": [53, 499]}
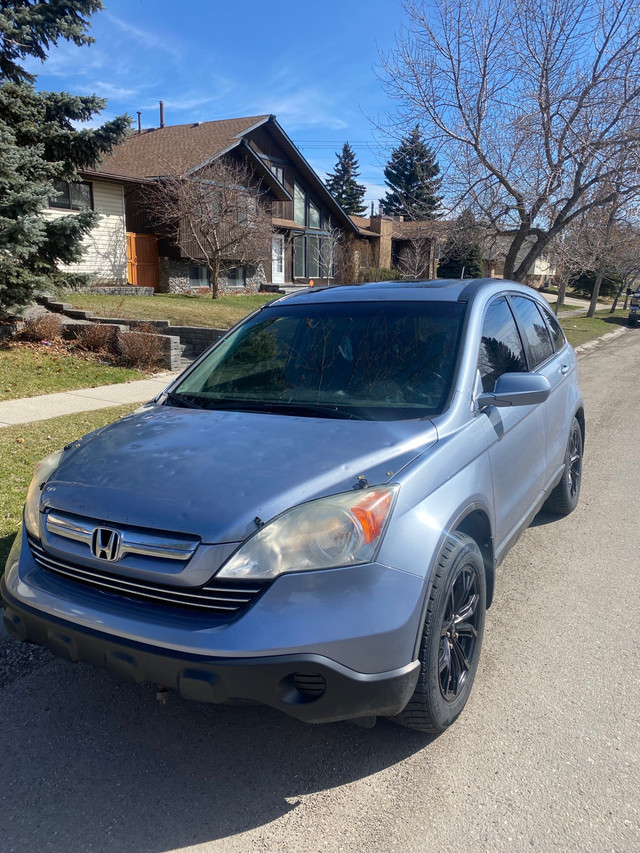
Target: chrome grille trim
{"type": "Point", "coordinates": [220, 598]}
{"type": "Point", "coordinates": [146, 544]}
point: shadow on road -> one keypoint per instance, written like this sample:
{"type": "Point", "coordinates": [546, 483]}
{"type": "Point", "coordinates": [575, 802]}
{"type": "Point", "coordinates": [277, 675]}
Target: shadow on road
{"type": "Point", "coordinates": [89, 763]}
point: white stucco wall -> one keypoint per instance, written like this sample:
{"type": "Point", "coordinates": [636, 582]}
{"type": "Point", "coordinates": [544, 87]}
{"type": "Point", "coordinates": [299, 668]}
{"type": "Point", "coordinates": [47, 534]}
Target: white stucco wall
{"type": "Point", "coordinates": [105, 257]}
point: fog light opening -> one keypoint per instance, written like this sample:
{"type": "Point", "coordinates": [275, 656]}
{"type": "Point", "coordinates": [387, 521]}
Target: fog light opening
{"type": "Point", "coordinates": [301, 688]}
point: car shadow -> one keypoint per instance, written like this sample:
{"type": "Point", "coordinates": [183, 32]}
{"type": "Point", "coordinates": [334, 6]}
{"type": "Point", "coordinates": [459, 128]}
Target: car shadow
{"type": "Point", "coordinates": [90, 763]}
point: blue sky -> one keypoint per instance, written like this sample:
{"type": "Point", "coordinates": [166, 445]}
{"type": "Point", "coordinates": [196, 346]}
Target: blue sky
{"type": "Point", "coordinates": [312, 65]}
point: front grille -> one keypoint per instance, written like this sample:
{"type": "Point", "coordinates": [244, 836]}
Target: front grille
{"type": "Point", "coordinates": [220, 597]}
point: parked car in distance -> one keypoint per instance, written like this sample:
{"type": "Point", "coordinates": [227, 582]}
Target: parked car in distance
{"type": "Point", "coordinates": [311, 516]}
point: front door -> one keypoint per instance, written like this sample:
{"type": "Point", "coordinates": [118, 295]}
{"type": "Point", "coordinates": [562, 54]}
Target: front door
{"type": "Point", "coordinates": [277, 259]}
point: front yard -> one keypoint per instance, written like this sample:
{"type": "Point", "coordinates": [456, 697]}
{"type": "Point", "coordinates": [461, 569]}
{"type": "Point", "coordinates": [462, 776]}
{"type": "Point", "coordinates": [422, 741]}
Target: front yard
{"type": "Point", "coordinates": [221, 313]}
{"type": "Point", "coordinates": [29, 371]}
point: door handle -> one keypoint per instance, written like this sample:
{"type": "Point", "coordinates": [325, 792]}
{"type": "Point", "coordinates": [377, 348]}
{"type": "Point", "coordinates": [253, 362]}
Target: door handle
{"type": "Point", "coordinates": [564, 369]}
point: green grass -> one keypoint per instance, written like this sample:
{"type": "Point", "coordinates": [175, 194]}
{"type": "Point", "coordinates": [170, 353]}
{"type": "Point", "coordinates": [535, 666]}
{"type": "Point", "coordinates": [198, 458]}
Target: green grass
{"type": "Point", "coordinates": [579, 330]}
{"type": "Point", "coordinates": [22, 446]}
{"type": "Point", "coordinates": [27, 372]}
{"type": "Point", "coordinates": [180, 310]}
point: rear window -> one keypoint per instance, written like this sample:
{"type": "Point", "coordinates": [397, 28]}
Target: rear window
{"type": "Point", "coordinates": [379, 361]}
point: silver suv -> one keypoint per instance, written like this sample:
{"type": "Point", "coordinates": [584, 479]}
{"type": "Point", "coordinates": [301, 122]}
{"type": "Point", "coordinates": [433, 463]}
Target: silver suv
{"type": "Point", "coordinates": [311, 516]}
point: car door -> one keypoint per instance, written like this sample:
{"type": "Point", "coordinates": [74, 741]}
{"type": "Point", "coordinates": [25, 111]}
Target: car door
{"type": "Point", "coordinates": [556, 366]}
{"type": "Point", "coordinates": [515, 435]}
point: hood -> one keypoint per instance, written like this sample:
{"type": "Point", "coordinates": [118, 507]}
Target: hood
{"type": "Point", "coordinates": [212, 473]}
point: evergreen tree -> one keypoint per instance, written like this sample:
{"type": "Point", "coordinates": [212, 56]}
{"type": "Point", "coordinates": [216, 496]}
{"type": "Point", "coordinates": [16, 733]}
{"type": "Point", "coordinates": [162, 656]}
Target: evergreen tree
{"type": "Point", "coordinates": [342, 183]}
{"type": "Point", "coordinates": [412, 177]}
{"type": "Point", "coordinates": [462, 256]}
{"type": "Point", "coordinates": [39, 144]}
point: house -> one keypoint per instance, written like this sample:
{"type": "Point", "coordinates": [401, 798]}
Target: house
{"type": "Point", "coordinates": [105, 256]}
{"type": "Point", "coordinates": [304, 216]}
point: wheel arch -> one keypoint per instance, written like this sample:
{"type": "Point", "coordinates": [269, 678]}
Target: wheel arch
{"type": "Point", "coordinates": [474, 521]}
{"type": "Point", "coordinates": [579, 416]}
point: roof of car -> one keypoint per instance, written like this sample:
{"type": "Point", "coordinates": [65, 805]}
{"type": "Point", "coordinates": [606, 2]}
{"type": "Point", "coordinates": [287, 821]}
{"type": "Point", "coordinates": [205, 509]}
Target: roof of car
{"type": "Point", "coordinates": [442, 290]}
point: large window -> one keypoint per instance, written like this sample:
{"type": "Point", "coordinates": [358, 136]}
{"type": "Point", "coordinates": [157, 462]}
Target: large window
{"type": "Point", "coordinates": [72, 196]}
{"type": "Point", "coordinates": [305, 211]}
{"type": "Point", "coordinates": [535, 329]}
{"type": "Point", "coordinates": [199, 276]}
{"type": "Point", "coordinates": [312, 257]}
{"type": "Point", "coordinates": [299, 205]}
{"type": "Point", "coordinates": [378, 361]}
{"type": "Point", "coordinates": [501, 349]}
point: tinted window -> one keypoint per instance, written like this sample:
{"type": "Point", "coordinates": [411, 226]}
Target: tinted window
{"type": "Point", "coordinates": [557, 335]}
{"type": "Point", "coordinates": [501, 348]}
{"type": "Point", "coordinates": [535, 329]}
{"type": "Point", "coordinates": [379, 361]}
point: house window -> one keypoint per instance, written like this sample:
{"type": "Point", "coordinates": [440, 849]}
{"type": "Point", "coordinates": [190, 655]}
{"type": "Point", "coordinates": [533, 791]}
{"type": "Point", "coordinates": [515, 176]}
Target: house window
{"type": "Point", "coordinates": [278, 171]}
{"type": "Point", "coordinates": [300, 257]}
{"type": "Point", "coordinates": [247, 209]}
{"type": "Point", "coordinates": [72, 196]}
{"type": "Point", "coordinates": [237, 277]}
{"type": "Point", "coordinates": [312, 257]}
{"type": "Point", "coordinates": [299, 205]}
{"type": "Point", "coordinates": [314, 215]}
{"type": "Point", "coordinates": [199, 276]}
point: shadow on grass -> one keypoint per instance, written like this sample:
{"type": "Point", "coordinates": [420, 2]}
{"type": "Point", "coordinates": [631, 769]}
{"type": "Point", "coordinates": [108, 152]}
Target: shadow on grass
{"type": "Point", "coordinates": [5, 546]}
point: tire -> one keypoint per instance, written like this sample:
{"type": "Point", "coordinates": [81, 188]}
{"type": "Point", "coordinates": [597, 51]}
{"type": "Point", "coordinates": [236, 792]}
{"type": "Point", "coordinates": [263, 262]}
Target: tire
{"type": "Point", "coordinates": [448, 664]}
{"type": "Point", "coordinates": [633, 322]}
{"type": "Point", "coordinates": [564, 497]}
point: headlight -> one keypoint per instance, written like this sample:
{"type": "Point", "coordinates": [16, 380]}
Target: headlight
{"type": "Point", "coordinates": [341, 530]}
{"type": "Point", "coordinates": [43, 470]}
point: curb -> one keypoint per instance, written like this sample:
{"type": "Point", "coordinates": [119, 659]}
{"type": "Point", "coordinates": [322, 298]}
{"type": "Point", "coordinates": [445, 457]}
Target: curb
{"type": "Point", "coordinates": [586, 348]}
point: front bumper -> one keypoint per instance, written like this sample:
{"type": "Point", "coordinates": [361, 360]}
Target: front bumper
{"type": "Point", "coordinates": [309, 687]}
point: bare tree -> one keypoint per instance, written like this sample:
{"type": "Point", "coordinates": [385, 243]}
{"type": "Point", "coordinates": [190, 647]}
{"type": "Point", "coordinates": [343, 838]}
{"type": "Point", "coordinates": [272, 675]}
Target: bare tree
{"type": "Point", "coordinates": [534, 104]}
{"type": "Point", "coordinates": [416, 249]}
{"type": "Point", "coordinates": [330, 245]}
{"type": "Point", "coordinates": [218, 216]}
{"type": "Point", "coordinates": [602, 240]}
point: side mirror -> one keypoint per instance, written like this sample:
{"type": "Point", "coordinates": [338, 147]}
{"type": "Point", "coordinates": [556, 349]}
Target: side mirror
{"type": "Point", "coordinates": [516, 389]}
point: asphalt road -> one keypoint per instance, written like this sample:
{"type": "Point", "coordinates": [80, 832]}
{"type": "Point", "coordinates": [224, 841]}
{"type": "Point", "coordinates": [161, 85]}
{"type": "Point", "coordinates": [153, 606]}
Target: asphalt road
{"type": "Point", "coordinates": [546, 756]}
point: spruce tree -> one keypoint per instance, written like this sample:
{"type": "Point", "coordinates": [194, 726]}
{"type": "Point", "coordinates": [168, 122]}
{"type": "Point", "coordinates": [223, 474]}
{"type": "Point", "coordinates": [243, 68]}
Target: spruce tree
{"type": "Point", "coordinates": [39, 144]}
{"type": "Point", "coordinates": [342, 183]}
{"type": "Point", "coordinates": [412, 177]}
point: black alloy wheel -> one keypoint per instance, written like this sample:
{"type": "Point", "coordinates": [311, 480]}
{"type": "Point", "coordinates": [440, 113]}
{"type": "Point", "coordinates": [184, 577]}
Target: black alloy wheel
{"type": "Point", "coordinates": [459, 633]}
{"type": "Point", "coordinates": [564, 497]}
{"type": "Point", "coordinates": [451, 638]}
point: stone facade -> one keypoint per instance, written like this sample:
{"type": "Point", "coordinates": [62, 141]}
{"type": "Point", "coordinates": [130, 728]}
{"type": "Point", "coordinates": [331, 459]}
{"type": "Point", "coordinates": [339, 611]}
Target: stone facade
{"type": "Point", "coordinates": [174, 278]}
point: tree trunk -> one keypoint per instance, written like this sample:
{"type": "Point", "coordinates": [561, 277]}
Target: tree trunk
{"type": "Point", "coordinates": [596, 288]}
{"type": "Point", "coordinates": [618, 295]}
{"type": "Point", "coordinates": [562, 292]}
{"type": "Point", "coordinates": [214, 272]}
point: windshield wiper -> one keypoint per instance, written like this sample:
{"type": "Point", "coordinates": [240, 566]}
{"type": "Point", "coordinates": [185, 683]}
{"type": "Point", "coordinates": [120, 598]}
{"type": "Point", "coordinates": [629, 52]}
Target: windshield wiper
{"type": "Point", "coordinates": [178, 400]}
{"type": "Point", "coordinates": [282, 407]}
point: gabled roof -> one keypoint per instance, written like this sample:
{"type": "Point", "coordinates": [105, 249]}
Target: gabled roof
{"type": "Point", "coordinates": [152, 153]}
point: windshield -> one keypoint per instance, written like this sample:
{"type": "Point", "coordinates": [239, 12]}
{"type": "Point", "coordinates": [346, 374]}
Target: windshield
{"type": "Point", "coordinates": [372, 360]}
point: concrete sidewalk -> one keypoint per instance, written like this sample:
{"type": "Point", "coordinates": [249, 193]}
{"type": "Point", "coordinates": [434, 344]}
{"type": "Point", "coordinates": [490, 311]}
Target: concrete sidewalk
{"type": "Point", "coordinates": [45, 406]}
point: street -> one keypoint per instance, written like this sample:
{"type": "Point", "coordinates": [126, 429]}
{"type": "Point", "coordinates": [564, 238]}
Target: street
{"type": "Point", "coordinates": [546, 756]}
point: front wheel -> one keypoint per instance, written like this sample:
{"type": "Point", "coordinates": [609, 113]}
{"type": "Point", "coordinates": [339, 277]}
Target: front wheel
{"type": "Point", "coordinates": [451, 639]}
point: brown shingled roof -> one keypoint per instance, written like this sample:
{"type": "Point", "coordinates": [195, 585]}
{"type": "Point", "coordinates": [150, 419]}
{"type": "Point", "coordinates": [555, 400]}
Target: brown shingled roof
{"type": "Point", "coordinates": [153, 152]}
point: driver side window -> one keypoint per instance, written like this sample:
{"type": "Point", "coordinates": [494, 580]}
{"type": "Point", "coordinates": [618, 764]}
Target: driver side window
{"type": "Point", "coordinates": [501, 349]}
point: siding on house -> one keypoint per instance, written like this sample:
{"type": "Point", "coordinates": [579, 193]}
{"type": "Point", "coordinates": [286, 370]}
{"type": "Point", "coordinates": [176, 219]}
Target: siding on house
{"type": "Point", "coordinates": [105, 257]}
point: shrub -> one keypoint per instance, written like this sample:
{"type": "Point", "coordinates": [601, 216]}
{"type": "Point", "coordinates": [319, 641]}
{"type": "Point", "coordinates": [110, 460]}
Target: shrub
{"type": "Point", "coordinates": [379, 274]}
{"type": "Point", "coordinates": [47, 327]}
{"type": "Point", "coordinates": [96, 337]}
{"type": "Point", "coordinates": [140, 348]}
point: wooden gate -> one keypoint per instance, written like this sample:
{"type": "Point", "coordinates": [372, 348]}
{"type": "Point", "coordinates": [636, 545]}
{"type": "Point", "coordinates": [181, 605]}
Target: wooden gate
{"type": "Point", "coordinates": [142, 260]}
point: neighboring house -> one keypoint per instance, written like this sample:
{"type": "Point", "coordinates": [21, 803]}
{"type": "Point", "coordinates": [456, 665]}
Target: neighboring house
{"type": "Point", "coordinates": [304, 214]}
{"type": "Point", "coordinates": [494, 252]}
{"type": "Point", "coordinates": [105, 257]}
